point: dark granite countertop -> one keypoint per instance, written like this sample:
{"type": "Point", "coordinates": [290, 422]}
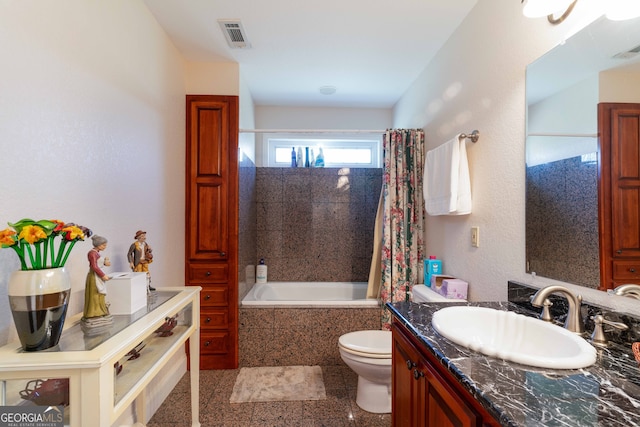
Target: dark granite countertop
{"type": "Point", "coordinates": [606, 394]}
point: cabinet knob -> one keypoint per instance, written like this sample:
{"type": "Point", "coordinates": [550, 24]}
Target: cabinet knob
{"type": "Point", "coordinates": [206, 297]}
{"type": "Point", "coordinates": [208, 273]}
{"type": "Point", "coordinates": [410, 364]}
{"type": "Point", "coordinates": [223, 254]}
{"type": "Point", "coordinates": [206, 343]}
{"type": "Point", "coordinates": [619, 251]}
{"type": "Point", "coordinates": [633, 270]}
{"type": "Point", "coordinates": [207, 320]}
{"type": "Point", "coordinates": [417, 374]}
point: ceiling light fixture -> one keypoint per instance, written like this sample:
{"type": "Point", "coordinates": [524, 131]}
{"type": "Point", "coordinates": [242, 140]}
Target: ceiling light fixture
{"type": "Point", "coordinates": [620, 10]}
{"type": "Point", "coordinates": [327, 90]}
{"type": "Point", "coordinates": [548, 8]}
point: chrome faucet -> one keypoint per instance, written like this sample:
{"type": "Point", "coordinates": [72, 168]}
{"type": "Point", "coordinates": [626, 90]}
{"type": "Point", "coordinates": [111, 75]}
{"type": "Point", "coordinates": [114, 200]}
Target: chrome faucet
{"type": "Point", "coordinates": [630, 290]}
{"type": "Point", "coordinates": [574, 322]}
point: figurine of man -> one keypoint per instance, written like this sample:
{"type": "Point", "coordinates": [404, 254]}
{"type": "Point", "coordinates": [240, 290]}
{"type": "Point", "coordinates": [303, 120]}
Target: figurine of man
{"type": "Point", "coordinates": [140, 256]}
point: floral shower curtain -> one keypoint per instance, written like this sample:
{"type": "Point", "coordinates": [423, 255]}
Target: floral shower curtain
{"type": "Point", "coordinates": [403, 216]}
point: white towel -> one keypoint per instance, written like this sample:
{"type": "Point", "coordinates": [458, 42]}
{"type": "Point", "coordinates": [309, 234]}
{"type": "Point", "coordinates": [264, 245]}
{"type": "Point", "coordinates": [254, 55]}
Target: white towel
{"type": "Point", "coordinates": [447, 186]}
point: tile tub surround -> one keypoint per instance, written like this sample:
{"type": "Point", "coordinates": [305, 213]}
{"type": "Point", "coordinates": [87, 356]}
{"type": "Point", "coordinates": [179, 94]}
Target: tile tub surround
{"type": "Point", "coordinates": [316, 224]}
{"type": "Point", "coordinates": [606, 394]}
{"type": "Point", "coordinates": [299, 336]}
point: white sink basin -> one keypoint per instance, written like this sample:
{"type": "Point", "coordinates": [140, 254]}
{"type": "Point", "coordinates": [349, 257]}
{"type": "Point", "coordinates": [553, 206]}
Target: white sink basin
{"type": "Point", "coordinates": [514, 337]}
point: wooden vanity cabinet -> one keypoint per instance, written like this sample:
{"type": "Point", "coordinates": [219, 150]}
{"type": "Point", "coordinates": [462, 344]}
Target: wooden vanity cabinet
{"type": "Point", "coordinates": [619, 194]}
{"type": "Point", "coordinates": [424, 393]}
{"type": "Point", "coordinates": [211, 229]}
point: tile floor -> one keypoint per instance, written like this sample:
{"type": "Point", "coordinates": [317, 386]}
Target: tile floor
{"type": "Point", "coordinates": [338, 410]}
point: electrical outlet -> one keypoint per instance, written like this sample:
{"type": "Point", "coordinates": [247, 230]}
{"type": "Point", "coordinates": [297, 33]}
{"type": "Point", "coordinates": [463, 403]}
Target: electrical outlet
{"type": "Point", "coordinates": [475, 237]}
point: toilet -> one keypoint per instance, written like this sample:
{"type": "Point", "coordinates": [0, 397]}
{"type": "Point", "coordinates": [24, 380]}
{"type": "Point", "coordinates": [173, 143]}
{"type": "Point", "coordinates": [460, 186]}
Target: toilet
{"type": "Point", "coordinates": [368, 354]}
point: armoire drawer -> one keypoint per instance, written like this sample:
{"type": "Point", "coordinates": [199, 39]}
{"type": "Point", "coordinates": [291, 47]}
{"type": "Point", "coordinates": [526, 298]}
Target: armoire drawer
{"type": "Point", "coordinates": [214, 342]}
{"type": "Point", "coordinates": [626, 270]}
{"type": "Point", "coordinates": [214, 296]}
{"type": "Point", "coordinates": [208, 273]}
{"type": "Point", "coordinates": [214, 318]}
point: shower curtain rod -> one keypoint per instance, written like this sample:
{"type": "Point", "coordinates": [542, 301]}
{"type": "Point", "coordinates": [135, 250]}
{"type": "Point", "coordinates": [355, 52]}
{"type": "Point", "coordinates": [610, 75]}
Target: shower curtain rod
{"type": "Point", "coordinates": [310, 131]}
{"type": "Point", "coordinates": [568, 135]}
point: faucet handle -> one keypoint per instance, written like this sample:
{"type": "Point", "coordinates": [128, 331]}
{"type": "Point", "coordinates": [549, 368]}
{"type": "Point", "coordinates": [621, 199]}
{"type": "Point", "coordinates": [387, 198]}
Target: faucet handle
{"type": "Point", "coordinates": [598, 336]}
{"type": "Point", "coordinates": [545, 314]}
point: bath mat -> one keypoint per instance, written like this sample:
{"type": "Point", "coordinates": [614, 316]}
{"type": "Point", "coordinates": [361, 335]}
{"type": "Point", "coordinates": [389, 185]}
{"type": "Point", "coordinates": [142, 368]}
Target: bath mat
{"type": "Point", "coordinates": [278, 383]}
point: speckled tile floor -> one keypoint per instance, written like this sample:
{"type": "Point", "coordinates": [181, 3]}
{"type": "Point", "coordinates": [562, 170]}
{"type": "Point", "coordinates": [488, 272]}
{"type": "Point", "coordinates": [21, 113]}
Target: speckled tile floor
{"type": "Point", "coordinates": [338, 410]}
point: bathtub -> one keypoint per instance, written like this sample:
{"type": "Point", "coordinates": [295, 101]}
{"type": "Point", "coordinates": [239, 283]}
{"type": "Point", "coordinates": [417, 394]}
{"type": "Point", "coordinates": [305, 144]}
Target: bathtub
{"type": "Point", "coordinates": [313, 315]}
{"type": "Point", "coordinates": [309, 294]}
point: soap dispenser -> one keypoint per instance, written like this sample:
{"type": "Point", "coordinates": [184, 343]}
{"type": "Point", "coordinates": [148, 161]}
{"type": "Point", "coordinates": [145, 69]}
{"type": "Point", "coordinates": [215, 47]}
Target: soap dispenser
{"type": "Point", "coordinates": [261, 272]}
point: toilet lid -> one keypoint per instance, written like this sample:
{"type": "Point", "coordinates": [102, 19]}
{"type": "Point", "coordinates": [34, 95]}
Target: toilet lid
{"type": "Point", "coordinates": [367, 342]}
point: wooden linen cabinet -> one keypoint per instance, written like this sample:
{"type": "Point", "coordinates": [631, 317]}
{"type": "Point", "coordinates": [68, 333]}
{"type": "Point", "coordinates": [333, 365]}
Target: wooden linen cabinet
{"type": "Point", "coordinates": [211, 217]}
{"type": "Point", "coordinates": [619, 193]}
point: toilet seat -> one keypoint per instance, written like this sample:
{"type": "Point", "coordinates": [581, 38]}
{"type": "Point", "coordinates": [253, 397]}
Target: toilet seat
{"type": "Point", "coordinates": [365, 355]}
{"type": "Point", "coordinates": [372, 344]}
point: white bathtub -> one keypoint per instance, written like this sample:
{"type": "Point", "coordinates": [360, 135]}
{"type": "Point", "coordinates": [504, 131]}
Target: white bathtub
{"type": "Point", "coordinates": [309, 294]}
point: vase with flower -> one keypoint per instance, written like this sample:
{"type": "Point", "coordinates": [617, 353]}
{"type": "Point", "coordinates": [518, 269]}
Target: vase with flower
{"type": "Point", "coordinates": [39, 291]}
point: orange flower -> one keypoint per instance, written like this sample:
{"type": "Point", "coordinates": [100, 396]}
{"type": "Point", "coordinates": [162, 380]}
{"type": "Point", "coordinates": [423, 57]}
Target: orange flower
{"type": "Point", "coordinates": [73, 233]}
{"type": "Point", "coordinates": [6, 237]}
{"type": "Point", "coordinates": [32, 234]}
{"type": "Point", "coordinates": [59, 225]}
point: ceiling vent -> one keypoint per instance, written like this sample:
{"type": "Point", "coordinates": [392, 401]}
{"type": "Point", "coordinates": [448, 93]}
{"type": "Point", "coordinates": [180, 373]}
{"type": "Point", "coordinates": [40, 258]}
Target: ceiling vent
{"type": "Point", "coordinates": [631, 53]}
{"type": "Point", "coordinates": [234, 33]}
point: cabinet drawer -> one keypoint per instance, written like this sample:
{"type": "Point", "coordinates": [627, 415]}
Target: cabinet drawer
{"type": "Point", "coordinates": [214, 342]}
{"type": "Point", "coordinates": [214, 318]}
{"type": "Point", "coordinates": [626, 270]}
{"type": "Point", "coordinates": [208, 273]}
{"type": "Point", "coordinates": [214, 297]}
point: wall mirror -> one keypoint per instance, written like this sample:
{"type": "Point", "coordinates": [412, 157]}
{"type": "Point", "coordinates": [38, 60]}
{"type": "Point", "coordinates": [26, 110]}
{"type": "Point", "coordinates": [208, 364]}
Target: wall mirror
{"type": "Point", "coordinates": [563, 88]}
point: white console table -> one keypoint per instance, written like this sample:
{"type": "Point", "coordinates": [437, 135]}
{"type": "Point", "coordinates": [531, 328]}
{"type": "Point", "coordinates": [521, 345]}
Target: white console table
{"type": "Point", "coordinates": [106, 372]}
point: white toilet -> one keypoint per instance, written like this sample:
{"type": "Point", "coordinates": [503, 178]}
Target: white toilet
{"type": "Point", "coordinates": [368, 353]}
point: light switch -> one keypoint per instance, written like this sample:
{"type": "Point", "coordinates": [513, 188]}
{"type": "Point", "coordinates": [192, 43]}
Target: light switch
{"type": "Point", "coordinates": [475, 237]}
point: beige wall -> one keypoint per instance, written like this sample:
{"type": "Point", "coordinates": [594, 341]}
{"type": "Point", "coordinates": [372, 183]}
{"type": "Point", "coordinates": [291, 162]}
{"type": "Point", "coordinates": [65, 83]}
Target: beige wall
{"type": "Point", "coordinates": [477, 81]}
{"type": "Point", "coordinates": [92, 131]}
{"type": "Point", "coordinates": [620, 86]}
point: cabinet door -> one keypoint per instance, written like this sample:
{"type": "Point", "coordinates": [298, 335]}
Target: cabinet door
{"type": "Point", "coordinates": [445, 407]}
{"type": "Point", "coordinates": [404, 362]}
{"type": "Point", "coordinates": [625, 182]}
{"type": "Point", "coordinates": [212, 146]}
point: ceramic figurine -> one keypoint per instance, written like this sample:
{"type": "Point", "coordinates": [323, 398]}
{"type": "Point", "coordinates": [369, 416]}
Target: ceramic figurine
{"type": "Point", "coordinates": [140, 255]}
{"type": "Point", "coordinates": [95, 289]}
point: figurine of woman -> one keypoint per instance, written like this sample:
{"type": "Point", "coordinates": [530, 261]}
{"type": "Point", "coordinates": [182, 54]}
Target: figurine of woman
{"type": "Point", "coordinates": [95, 289]}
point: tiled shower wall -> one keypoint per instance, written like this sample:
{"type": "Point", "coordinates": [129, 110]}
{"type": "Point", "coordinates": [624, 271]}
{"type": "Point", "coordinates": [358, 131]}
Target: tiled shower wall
{"type": "Point", "coordinates": [316, 224]}
{"type": "Point", "coordinates": [562, 221]}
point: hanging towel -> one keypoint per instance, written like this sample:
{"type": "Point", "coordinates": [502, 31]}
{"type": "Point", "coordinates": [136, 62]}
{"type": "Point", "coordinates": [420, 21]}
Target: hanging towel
{"type": "Point", "coordinates": [446, 186]}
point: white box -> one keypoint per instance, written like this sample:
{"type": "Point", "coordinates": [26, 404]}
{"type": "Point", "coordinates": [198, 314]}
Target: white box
{"type": "Point", "coordinates": [126, 292]}
{"type": "Point", "coordinates": [452, 288]}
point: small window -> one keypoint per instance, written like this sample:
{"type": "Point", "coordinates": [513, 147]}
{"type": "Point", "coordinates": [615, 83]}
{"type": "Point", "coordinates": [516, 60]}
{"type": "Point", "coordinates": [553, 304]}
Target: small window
{"type": "Point", "coordinates": [361, 151]}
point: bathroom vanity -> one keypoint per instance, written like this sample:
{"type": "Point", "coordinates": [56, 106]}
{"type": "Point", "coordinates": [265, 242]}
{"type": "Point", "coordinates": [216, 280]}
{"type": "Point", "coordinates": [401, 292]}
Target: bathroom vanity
{"type": "Point", "coordinates": [438, 383]}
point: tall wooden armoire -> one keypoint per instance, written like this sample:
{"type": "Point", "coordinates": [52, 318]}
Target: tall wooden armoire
{"type": "Point", "coordinates": [619, 193]}
{"type": "Point", "coordinates": [211, 245]}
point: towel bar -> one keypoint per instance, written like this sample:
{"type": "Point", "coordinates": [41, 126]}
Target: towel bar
{"type": "Point", "coordinates": [473, 136]}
